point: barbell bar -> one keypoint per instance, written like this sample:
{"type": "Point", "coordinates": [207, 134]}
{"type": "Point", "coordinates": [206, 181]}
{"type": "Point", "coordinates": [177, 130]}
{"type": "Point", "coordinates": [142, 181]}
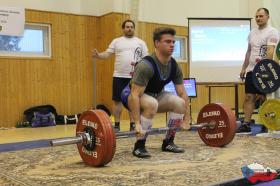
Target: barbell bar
{"type": "Point", "coordinates": [85, 138]}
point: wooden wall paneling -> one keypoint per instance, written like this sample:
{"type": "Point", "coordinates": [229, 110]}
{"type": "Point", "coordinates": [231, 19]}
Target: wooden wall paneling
{"type": "Point", "coordinates": [241, 95]}
{"type": "Point", "coordinates": [3, 92]}
{"type": "Point", "coordinates": [64, 81]}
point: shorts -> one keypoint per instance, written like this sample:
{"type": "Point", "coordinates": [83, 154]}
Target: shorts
{"type": "Point", "coordinates": [126, 92]}
{"type": "Point", "coordinates": [249, 85]}
{"type": "Point", "coordinates": [124, 96]}
{"type": "Point", "coordinates": [118, 85]}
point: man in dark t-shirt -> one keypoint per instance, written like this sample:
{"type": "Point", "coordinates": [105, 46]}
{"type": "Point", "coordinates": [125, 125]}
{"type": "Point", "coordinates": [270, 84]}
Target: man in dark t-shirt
{"type": "Point", "coordinates": [144, 96]}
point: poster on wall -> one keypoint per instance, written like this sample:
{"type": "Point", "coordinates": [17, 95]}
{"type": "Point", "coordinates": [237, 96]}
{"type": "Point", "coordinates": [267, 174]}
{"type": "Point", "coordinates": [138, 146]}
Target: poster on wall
{"type": "Point", "coordinates": [12, 21]}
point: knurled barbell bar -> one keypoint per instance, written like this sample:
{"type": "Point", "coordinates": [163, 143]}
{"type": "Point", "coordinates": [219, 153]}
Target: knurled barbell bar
{"type": "Point", "coordinates": [86, 139]}
{"type": "Point", "coordinates": [96, 139]}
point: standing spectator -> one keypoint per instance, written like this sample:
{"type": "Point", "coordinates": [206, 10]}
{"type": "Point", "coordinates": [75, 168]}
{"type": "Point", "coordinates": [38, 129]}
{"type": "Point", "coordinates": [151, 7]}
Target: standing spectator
{"type": "Point", "coordinates": [128, 50]}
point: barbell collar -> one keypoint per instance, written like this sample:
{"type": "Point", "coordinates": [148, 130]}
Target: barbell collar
{"type": "Point", "coordinates": [201, 125]}
{"type": "Point", "coordinates": [82, 138]}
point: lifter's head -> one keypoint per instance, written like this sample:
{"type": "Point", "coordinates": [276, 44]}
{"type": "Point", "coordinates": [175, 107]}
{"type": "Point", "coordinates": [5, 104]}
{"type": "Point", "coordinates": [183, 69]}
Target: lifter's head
{"type": "Point", "coordinates": [164, 40]}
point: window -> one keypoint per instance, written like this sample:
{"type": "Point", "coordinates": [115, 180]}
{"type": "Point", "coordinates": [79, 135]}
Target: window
{"type": "Point", "coordinates": [180, 49]}
{"type": "Point", "coordinates": [35, 42]}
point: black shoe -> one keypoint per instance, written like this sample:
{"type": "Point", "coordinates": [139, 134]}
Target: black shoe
{"type": "Point", "coordinates": [169, 146]}
{"type": "Point", "coordinates": [244, 129]}
{"type": "Point", "coordinates": [264, 129]}
{"type": "Point", "coordinates": [140, 150]}
{"type": "Point", "coordinates": [132, 127]}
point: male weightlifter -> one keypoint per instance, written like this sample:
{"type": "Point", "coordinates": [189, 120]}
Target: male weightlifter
{"type": "Point", "coordinates": [262, 43]}
{"type": "Point", "coordinates": [144, 96]}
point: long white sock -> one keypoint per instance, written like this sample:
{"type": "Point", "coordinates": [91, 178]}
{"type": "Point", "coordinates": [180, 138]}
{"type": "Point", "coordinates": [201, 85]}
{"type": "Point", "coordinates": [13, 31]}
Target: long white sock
{"type": "Point", "coordinates": [146, 125]}
{"type": "Point", "coordinates": [174, 121]}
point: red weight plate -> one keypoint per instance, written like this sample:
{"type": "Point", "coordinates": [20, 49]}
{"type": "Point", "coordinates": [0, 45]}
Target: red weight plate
{"type": "Point", "coordinates": [91, 120]}
{"type": "Point", "coordinates": [225, 125]}
{"type": "Point", "coordinates": [111, 137]}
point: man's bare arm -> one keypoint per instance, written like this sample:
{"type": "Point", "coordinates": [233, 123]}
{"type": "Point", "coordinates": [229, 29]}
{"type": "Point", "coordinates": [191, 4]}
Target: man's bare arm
{"type": "Point", "coordinates": [246, 62]}
{"type": "Point", "coordinates": [270, 51]}
{"type": "Point", "coordinates": [102, 55]}
{"type": "Point", "coordinates": [134, 104]}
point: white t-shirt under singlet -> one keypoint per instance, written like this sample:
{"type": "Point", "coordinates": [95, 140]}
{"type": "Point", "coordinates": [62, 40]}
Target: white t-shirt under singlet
{"type": "Point", "coordinates": [128, 51]}
{"type": "Point", "coordinates": [259, 39]}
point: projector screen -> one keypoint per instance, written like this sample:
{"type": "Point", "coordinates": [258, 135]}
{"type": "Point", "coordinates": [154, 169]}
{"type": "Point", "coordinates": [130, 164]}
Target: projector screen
{"type": "Point", "coordinates": [217, 48]}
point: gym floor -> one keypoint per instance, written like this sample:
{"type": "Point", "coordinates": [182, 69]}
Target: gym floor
{"type": "Point", "coordinates": [199, 165]}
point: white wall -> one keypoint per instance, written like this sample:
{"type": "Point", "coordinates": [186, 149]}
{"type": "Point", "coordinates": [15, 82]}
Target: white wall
{"type": "Point", "coordinates": [122, 6]}
{"type": "Point", "coordinates": [96, 7]}
{"type": "Point", "coordinates": [177, 11]}
{"type": "Point", "coordinates": [273, 6]}
{"type": "Point", "coordinates": [174, 12]}
{"type": "Point", "coordinates": [84, 7]}
{"type": "Point", "coordinates": [71, 6]}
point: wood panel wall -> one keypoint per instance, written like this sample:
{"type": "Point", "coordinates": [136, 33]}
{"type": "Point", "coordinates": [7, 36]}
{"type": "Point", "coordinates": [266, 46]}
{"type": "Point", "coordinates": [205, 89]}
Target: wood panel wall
{"type": "Point", "coordinates": [66, 79]}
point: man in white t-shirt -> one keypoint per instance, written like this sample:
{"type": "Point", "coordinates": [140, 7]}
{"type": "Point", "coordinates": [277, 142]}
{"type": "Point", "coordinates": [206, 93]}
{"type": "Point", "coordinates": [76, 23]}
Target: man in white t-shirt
{"type": "Point", "coordinates": [128, 50]}
{"type": "Point", "coordinates": [262, 42]}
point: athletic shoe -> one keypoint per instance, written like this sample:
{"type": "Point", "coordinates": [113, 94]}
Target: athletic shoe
{"type": "Point", "coordinates": [169, 146]}
{"type": "Point", "coordinates": [244, 129]}
{"type": "Point", "coordinates": [140, 151]}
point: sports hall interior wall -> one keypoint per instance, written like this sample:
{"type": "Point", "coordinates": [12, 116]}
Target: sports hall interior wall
{"type": "Point", "coordinates": [66, 79]}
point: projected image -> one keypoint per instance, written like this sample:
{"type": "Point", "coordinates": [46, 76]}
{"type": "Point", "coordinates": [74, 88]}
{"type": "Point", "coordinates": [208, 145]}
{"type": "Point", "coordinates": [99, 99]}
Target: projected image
{"type": "Point", "coordinates": [189, 84]}
{"type": "Point", "coordinates": [218, 43]}
{"type": "Point", "coordinates": [217, 48]}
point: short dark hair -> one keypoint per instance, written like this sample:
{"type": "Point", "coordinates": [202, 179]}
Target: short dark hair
{"type": "Point", "coordinates": [126, 21]}
{"type": "Point", "coordinates": [266, 11]}
{"type": "Point", "coordinates": [161, 31]}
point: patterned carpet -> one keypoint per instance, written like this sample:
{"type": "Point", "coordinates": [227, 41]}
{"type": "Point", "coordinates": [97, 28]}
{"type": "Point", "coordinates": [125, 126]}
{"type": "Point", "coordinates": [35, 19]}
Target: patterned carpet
{"type": "Point", "coordinates": [199, 165]}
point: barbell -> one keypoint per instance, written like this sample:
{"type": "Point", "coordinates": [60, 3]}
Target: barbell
{"type": "Point", "coordinates": [96, 139]}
